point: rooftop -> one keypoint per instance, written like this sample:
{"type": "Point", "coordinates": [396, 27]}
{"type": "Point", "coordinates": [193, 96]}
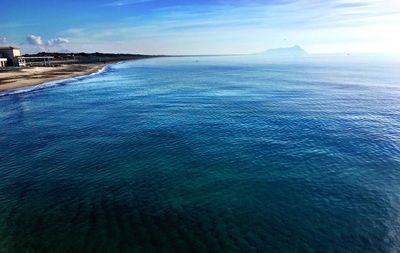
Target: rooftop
{"type": "Point", "coordinates": [9, 47]}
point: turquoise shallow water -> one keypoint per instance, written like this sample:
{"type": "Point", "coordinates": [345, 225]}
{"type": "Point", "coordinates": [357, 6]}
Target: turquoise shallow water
{"type": "Point", "coordinates": [228, 154]}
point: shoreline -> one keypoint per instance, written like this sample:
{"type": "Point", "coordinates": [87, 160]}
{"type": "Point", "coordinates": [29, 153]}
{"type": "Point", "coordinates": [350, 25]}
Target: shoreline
{"type": "Point", "coordinates": [24, 77]}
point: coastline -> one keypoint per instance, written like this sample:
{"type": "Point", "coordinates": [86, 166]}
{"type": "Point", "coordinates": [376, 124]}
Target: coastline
{"type": "Point", "coordinates": [24, 77]}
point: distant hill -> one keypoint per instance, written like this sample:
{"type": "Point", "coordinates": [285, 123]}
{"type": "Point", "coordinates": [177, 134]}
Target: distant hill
{"type": "Point", "coordinates": [65, 58]}
{"type": "Point", "coordinates": [295, 51]}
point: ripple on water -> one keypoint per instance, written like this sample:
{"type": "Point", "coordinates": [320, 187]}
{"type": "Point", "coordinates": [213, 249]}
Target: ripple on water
{"type": "Point", "coordinates": [224, 155]}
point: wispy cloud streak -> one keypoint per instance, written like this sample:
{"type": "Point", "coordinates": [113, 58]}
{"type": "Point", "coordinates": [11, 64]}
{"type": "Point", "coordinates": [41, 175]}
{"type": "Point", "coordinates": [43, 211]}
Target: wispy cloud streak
{"type": "Point", "coordinates": [126, 2]}
{"type": "Point", "coordinates": [241, 26]}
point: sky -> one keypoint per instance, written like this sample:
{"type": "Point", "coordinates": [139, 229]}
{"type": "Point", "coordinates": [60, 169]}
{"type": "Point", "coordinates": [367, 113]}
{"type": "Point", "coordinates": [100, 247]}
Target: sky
{"type": "Point", "coordinates": [201, 26]}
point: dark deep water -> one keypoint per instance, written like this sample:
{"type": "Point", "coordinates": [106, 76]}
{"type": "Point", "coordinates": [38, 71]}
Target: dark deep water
{"type": "Point", "coordinates": [220, 155]}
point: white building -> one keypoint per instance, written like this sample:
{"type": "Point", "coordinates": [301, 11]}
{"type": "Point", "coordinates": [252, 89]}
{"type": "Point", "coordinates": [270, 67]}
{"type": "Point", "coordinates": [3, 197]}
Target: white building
{"type": "Point", "coordinates": [13, 57]}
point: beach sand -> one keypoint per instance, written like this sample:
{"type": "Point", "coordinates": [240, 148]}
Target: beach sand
{"type": "Point", "coordinates": [21, 77]}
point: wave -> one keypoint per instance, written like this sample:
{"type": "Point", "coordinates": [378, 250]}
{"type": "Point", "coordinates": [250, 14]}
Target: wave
{"type": "Point", "coordinates": [51, 84]}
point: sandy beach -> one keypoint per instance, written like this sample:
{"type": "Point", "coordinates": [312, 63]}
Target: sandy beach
{"type": "Point", "coordinates": [21, 77]}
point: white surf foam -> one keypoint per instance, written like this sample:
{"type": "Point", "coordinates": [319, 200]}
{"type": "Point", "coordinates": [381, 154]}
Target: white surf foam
{"type": "Point", "coordinates": [51, 83]}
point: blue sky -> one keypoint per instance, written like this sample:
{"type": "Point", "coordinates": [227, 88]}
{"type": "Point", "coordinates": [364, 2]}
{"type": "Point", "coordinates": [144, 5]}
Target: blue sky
{"type": "Point", "coordinates": [201, 27]}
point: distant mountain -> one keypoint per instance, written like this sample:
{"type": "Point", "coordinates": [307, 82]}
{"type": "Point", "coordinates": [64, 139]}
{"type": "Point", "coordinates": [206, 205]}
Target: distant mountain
{"type": "Point", "coordinates": [295, 51]}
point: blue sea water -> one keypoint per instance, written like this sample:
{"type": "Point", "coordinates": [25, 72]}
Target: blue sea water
{"type": "Point", "coordinates": [229, 154]}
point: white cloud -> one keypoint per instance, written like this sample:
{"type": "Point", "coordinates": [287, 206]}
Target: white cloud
{"type": "Point", "coordinates": [34, 40]}
{"type": "Point", "coordinates": [35, 43]}
{"type": "Point", "coordinates": [57, 42]}
{"type": "Point", "coordinates": [3, 40]}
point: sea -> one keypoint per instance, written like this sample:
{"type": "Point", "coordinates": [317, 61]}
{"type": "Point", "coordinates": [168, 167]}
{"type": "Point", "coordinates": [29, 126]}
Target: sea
{"type": "Point", "coordinates": [205, 154]}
